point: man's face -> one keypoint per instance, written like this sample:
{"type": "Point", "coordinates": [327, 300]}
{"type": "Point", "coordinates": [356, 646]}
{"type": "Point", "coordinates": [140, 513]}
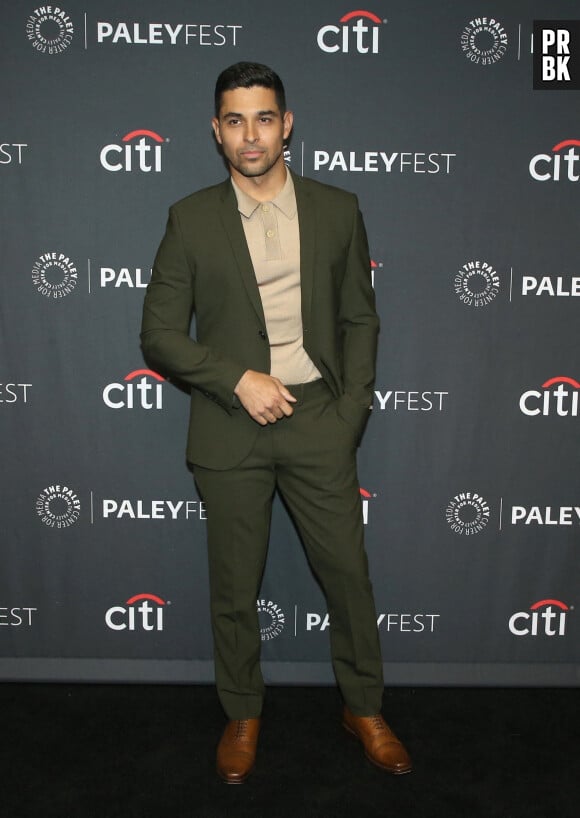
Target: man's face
{"type": "Point", "coordinates": [251, 130]}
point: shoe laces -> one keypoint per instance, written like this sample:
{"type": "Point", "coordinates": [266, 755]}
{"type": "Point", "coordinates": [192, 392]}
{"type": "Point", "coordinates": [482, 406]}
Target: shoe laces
{"type": "Point", "coordinates": [241, 729]}
{"type": "Point", "coordinates": [378, 723]}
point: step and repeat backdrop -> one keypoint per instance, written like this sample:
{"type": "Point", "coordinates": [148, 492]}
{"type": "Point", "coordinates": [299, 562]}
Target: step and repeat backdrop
{"type": "Point", "coordinates": [459, 131]}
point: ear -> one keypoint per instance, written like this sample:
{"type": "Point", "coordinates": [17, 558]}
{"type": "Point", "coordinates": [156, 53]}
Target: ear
{"type": "Point", "coordinates": [288, 122]}
{"type": "Point", "coordinates": [215, 124]}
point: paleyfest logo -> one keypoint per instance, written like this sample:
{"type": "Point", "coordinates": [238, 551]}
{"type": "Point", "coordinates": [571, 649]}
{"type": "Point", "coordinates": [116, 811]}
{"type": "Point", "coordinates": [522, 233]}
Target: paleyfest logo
{"type": "Point", "coordinates": [49, 29]}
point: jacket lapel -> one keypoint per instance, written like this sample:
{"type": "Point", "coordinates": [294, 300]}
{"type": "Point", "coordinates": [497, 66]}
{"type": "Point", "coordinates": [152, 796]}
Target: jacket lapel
{"type": "Point", "coordinates": [233, 227]}
{"type": "Point", "coordinates": [307, 225]}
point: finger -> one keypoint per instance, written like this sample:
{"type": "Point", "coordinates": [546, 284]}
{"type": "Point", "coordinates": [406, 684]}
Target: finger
{"type": "Point", "coordinates": [286, 409]}
{"type": "Point", "coordinates": [288, 395]}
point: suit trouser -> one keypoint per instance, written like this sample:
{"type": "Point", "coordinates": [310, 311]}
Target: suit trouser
{"type": "Point", "coordinates": [311, 458]}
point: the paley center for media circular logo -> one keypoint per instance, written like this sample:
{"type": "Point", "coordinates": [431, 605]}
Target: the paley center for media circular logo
{"type": "Point", "coordinates": [476, 283]}
{"type": "Point", "coordinates": [272, 619]}
{"type": "Point", "coordinates": [54, 275]}
{"type": "Point", "coordinates": [49, 29]}
{"type": "Point", "coordinates": [484, 41]}
{"type": "Point", "coordinates": [58, 506]}
{"type": "Point", "coordinates": [467, 513]}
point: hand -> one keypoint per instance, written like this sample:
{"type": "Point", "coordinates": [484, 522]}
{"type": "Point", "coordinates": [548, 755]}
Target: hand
{"type": "Point", "coordinates": [264, 398]}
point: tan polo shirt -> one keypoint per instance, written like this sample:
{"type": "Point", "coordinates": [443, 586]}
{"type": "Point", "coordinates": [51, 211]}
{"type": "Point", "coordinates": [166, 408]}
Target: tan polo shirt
{"type": "Point", "coordinates": [273, 238]}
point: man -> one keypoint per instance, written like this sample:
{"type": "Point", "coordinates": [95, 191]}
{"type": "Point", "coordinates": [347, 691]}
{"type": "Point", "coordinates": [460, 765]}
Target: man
{"type": "Point", "coordinates": [276, 269]}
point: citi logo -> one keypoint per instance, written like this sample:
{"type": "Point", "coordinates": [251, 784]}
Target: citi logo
{"type": "Point", "coordinates": [561, 401]}
{"type": "Point", "coordinates": [365, 497]}
{"type": "Point", "coordinates": [146, 616]}
{"type": "Point", "coordinates": [356, 36]}
{"type": "Point", "coordinates": [135, 391]}
{"type": "Point", "coordinates": [546, 617]}
{"type": "Point", "coordinates": [141, 150]}
{"type": "Point", "coordinates": [560, 165]}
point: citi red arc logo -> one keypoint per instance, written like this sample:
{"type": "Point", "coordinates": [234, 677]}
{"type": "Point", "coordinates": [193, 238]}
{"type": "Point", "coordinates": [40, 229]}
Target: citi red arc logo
{"type": "Point", "coordinates": [560, 165]}
{"type": "Point", "coordinates": [141, 150]}
{"type": "Point", "coordinates": [146, 616]}
{"type": "Point", "coordinates": [356, 36]}
{"type": "Point", "coordinates": [365, 497]}
{"type": "Point", "coordinates": [561, 401]}
{"type": "Point", "coordinates": [546, 617]}
{"type": "Point", "coordinates": [135, 391]}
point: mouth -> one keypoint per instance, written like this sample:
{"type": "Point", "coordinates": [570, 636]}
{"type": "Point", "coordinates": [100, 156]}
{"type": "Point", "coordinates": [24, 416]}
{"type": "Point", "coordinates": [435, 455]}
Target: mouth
{"type": "Point", "coordinates": [254, 154]}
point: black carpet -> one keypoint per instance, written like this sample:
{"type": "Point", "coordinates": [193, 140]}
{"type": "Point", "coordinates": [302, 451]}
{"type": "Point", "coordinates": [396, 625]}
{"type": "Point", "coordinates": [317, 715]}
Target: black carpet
{"type": "Point", "coordinates": [112, 751]}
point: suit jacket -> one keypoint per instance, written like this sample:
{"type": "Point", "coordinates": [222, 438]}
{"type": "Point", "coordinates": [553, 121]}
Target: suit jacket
{"type": "Point", "coordinates": [203, 266]}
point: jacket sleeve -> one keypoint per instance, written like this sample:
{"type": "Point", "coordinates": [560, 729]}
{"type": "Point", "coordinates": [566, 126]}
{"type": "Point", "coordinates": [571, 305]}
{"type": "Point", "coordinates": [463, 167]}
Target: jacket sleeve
{"type": "Point", "coordinates": [167, 311]}
{"type": "Point", "coordinates": [359, 327]}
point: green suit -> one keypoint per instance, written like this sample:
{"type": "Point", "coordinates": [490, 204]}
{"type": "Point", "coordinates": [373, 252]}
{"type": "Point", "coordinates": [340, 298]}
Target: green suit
{"type": "Point", "coordinates": [203, 266]}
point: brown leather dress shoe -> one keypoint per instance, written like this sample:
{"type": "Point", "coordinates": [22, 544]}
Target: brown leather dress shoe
{"type": "Point", "coordinates": [381, 745]}
{"type": "Point", "coordinates": [236, 751]}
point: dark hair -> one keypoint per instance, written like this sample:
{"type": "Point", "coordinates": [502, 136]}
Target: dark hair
{"type": "Point", "coordinates": [246, 75]}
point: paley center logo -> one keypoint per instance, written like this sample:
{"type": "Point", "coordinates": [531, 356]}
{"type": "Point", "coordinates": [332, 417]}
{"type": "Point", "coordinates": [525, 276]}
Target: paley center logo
{"type": "Point", "coordinates": [135, 391]}
{"type": "Point", "coordinates": [146, 616]}
{"type": "Point", "coordinates": [559, 397]}
{"type": "Point", "coordinates": [272, 619]}
{"type": "Point", "coordinates": [358, 32]}
{"type": "Point", "coordinates": [545, 618]}
{"type": "Point", "coordinates": [140, 150]}
{"type": "Point", "coordinates": [560, 165]}
{"type": "Point", "coordinates": [54, 275]}
{"type": "Point", "coordinates": [467, 513]}
{"type": "Point", "coordinates": [476, 283]}
{"type": "Point", "coordinates": [58, 506]}
{"type": "Point", "coordinates": [49, 29]}
{"type": "Point", "coordinates": [484, 41]}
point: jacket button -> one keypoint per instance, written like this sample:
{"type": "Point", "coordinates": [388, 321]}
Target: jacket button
{"type": "Point", "coordinates": [262, 334]}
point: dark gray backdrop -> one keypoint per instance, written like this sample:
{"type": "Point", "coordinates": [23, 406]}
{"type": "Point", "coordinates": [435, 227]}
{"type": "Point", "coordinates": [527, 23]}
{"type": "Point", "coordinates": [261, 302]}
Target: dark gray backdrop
{"type": "Point", "coordinates": [472, 505]}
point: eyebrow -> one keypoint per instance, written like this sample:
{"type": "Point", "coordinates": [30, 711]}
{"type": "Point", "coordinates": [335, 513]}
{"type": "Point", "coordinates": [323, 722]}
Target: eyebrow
{"type": "Point", "coordinates": [258, 113]}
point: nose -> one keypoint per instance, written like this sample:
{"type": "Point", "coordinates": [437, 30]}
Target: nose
{"type": "Point", "coordinates": [251, 133]}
